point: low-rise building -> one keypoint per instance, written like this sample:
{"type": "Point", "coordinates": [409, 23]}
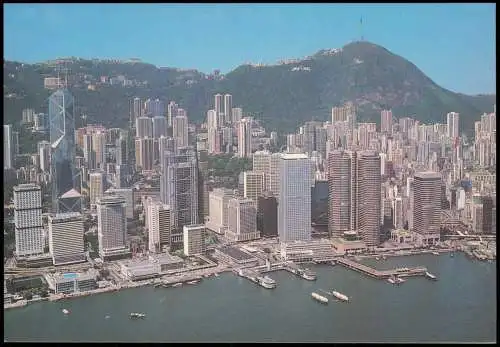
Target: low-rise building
{"type": "Point", "coordinates": [153, 266]}
{"type": "Point", "coordinates": [68, 283]}
{"type": "Point", "coordinates": [303, 251]}
{"type": "Point", "coordinates": [235, 255]}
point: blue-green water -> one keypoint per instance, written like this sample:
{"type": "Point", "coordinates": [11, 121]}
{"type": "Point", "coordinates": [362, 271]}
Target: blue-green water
{"type": "Point", "coordinates": [460, 306]}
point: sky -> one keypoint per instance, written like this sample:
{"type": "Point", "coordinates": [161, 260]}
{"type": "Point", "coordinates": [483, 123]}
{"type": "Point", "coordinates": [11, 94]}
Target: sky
{"type": "Point", "coordinates": [453, 44]}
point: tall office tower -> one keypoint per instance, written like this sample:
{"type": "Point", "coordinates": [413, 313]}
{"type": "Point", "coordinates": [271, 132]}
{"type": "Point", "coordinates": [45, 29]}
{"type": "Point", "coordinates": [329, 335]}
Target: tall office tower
{"type": "Point", "coordinates": [154, 108]}
{"type": "Point", "coordinates": [66, 245]}
{"type": "Point", "coordinates": [427, 205]}
{"type": "Point", "coordinates": [254, 183]}
{"type": "Point", "coordinates": [62, 139]}
{"type": "Point", "coordinates": [294, 208]}
{"type": "Point", "coordinates": [97, 181]}
{"type": "Point", "coordinates": [122, 150]}
{"type": "Point", "coordinates": [218, 104]}
{"type": "Point", "coordinates": [342, 191]}
{"type": "Point", "coordinates": [15, 141]}
{"type": "Point", "coordinates": [214, 141]}
{"type": "Point", "coordinates": [194, 239]}
{"type": "Point", "coordinates": [128, 195]}
{"type": "Point", "coordinates": [267, 215]}
{"type": "Point", "coordinates": [44, 153]}
{"type": "Point", "coordinates": [179, 186]}
{"type": "Point", "coordinates": [159, 127]}
{"type": "Point", "coordinates": [203, 199]}
{"type": "Point", "coordinates": [180, 131]}
{"type": "Point", "coordinates": [8, 147]}
{"type": "Point", "coordinates": [245, 138]}
{"type": "Point", "coordinates": [218, 210]}
{"type": "Point", "coordinates": [242, 220]}
{"type": "Point", "coordinates": [111, 227]}
{"type": "Point", "coordinates": [135, 109]}
{"type": "Point", "coordinates": [160, 225]}
{"type": "Point", "coordinates": [28, 220]}
{"type": "Point", "coordinates": [386, 121]}
{"type": "Point", "coordinates": [166, 144]}
{"type": "Point", "coordinates": [398, 213]}
{"type": "Point", "coordinates": [70, 201]}
{"type": "Point", "coordinates": [228, 108]}
{"type": "Point", "coordinates": [452, 119]}
{"type": "Point", "coordinates": [366, 133]}
{"type": "Point", "coordinates": [212, 119]}
{"type": "Point", "coordinates": [339, 114]}
{"type": "Point", "coordinates": [236, 115]}
{"type": "Point", "coordinates": [144, 127]}
{"type": "Point", "coordinates": [88, 152]}
{"type": "Point", "coordinates": [144, 153]}
{"type": "Point", "coordinates": [171, 112]}
{"type": "Point", "coordinates": [40, 122]}
{"type": "Point", "coordinates": [264, 161]}
{"type": "Point", "coordinates": [369, 197]}
{"type": "Point", "coordinates": [99, 147]}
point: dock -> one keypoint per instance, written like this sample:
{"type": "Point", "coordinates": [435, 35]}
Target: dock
{"type": "Point", "coordinates": [400, 272]}
{"type": "Point", "coordinates": [182, 280]}
{"type": "Point", "coordinates": [256, 277]}
{"type": "Point", "coordinates": [289, 267]}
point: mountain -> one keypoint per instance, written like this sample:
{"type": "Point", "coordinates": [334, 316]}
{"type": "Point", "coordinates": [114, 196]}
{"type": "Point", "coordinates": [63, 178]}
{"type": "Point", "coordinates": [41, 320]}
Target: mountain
{"type": "Point", "coordinates": [283, 95]}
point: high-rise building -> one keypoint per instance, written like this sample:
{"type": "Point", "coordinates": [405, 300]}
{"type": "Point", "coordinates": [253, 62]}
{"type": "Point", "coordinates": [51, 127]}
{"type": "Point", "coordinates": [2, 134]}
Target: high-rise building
{"type": "Point", "coordinates": [28, 223]}
{"type": "Point", "coordinates": [180, 131]}
{"type": "Point", "coordinates": [62, 138]}
{"type": "Point", "coordinates": [66, 245]}
{"type": "Point", "coordinates": [99, 148]}
{"type": "Point", "coordinates": [160, 226]}
{"type": "Point", "coordinates": [112, 227]}
{"type": "Point", "coordinates": [245, 138]}
{"type": "Point", "coordinates": [128, 195]}
{"type": "Point", "coordinates": [135, 109]}
{"type": "Point", "coordinates": [218, 104]}
{"type": "Point", "coordinates": [122, 150]}
{"type": "Point", "coordinates": [159, 126]}
{"type": "Point", "coordinates": [452, 122]}
{"type": "Point", "coordinates": [228, 108]}
{"type": "Point", "coordinates": [88, 152]}
{"type": "Point", "coordinates": [8, 147]}
{"type": "Point", "coordinates": [44, 154]}
{"type": "Point", "coordinates": [369, 197]}
{"type": "Point", "coordinates": [179, 186]}
{"type": "Point", "coordinates": [267, 215]}
{"type": "Point", "coordinates": [427, 205]}
{"type": "Point", "coordinates": [294, 207]}
{"type": "Point", "coordinates": [203, 198]}
{"type": "Point", "coordinates": [242, 220]}
{"type": "Point", "coordinates": [386, 121]}
{"type": "Point", "coordinates": [236, 115]}
{"type": "Point", "coordinates": [144, 127]}
{"type": "Point", "coordinates": [144, 153]}
{"type": "Point", "coordinates": [218, 210]}
{"type": "Point", "coordinates": [253, 184]}
{"type": "Point", "coordinates": [194, 239]}
{"type": "Point", "coordinates": [171, 112]}
{"type": "Point", "coordinates": [97, 182]}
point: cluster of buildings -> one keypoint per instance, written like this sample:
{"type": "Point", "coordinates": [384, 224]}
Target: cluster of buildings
{"type": "Point", "coordinates": [362, 178]}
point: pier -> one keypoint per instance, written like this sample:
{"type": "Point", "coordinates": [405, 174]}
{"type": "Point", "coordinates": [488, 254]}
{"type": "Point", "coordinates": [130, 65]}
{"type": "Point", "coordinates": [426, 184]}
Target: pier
{"type": "Point", "coordinates": [290, 267]}
{"type": "Point", "coordinates": [401, 272]}
{"type": "Point", "coordinates": [255, 277]}
{"type": "Point", "coordinates": [182, 280]}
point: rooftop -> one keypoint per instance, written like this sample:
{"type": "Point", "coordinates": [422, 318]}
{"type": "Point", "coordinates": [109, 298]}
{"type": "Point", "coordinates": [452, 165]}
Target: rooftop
{"type": "Point", "coordinates": [427, 175]}
{"type": "Point", "coordinates": [293, 156]}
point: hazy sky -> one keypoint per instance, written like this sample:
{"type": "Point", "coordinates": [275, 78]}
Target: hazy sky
{"type": "Point", "coordinates": [454, 44]}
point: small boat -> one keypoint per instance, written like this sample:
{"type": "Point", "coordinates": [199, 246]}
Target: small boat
{"type": "Point", "coordinates": [400, 280]}
{"type": "Point", "coordinates": [435, 253]}
{"type": "Point", "coordinates": [137, 315]}
{"type": "Point", "coordinates": [176, 285]}
{"type": "Point", "coordinates": [216, 274]}
{"type": "Point", "coordinates": [194, 282]}
{"type": "Point", "coordinates": [452, 254]}
{"type": "Point", "coordinates": [107, 317]}
{"type": "Point", "coordinates": [377, 258]}
{"type": "Point", "coordinates": [391, 280]}
{"type": "Point", "coordinates": [65, 311]}
{"type": "Point", "coordinates": [384, 257]}
{"type": "Point", "coordinates": [340, 296]}
{"type": "Point", "coordinates": [430, 276]}
{"type": "Point", "coordinates": [319, 298]}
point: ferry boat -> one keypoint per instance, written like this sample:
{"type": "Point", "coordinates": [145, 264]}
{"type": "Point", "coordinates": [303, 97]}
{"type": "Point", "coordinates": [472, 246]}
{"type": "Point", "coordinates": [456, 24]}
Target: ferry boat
{"type": "Point", "coordinates": [137, 315]}
{"type": "Point", "coordinates": [176, 285]}
{"type": "Point", "coordinates": [452, 254]}
{"type": "Point", "coordinates": [377, 258]}
{"type": "Point", "coordinates": [400, 280]}
{"type": "Point", "coordinates": [391, 280]}
{"type": "Point", "coordinates": [430, 276]}
{"type": "Point", "coordinates": [340, 296]}
{"type": "Point", "coordinates": [319, 298]}
{"type": "Point", "coordinates": [435, 253]}
{"type": "Point", "coordinates": [268, 282]}
{"type": "Point", "coordinates": [65, 311]}
{"type": "Point", "coordinates": [384, 257]}
{"type": "Point", "coordinates": [309, 275]}
{"type": "Point", "coordinates": [194, 282]}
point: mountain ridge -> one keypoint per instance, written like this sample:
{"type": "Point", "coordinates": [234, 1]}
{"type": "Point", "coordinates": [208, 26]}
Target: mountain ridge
{"type": "Point", "coordinates": [282, 95]}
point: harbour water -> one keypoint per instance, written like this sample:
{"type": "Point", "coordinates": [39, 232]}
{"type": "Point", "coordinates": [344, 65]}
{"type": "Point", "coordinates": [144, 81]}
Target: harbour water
{"type": "Point", "coordinates": [459, 307]}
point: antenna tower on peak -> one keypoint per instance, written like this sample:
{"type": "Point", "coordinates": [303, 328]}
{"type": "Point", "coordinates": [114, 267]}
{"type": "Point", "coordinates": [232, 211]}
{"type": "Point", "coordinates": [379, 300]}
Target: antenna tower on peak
{"type": "Point", "coordinates": [361, 27]}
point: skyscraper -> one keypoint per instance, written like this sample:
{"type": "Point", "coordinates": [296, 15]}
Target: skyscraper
{"type": "Point", "coordinates": [267, 215]}
{"type": "Point", "coordinates": [111, 227]}
{"type": "Point", "coordinates": [144, 127]}
{"type": "Point", "coordinates": [171, 112]}
{"type": "Point", "coordinates": [369, 197]}
{"type": "Point", "coordinates": [180, 131]}
{"type": "Point", "coordinates": [218, 108]}
{"type": "Point", "coordinates": [62, 139]}
{"type": "Point", "coordinates": [159, 127]}
{"type": "Point", "coordinates": [254, 184]}
{"type": "Point", "coordinates": [244, 138]}
{"type": "Point", "coordinates": [294, 208]}
{"type": "Point", "coordinates": [66, 243]}
{"type": "Point", "coordinates": [452, 121]}
{"type": "Point", "coordinates": [386, 121]}
{"type": "Point", "coordinates": [8, 147]}
{"type": "Point", "coordinates": [242, 220]}
{"type": "Point", "coordinates": [99, 148]}
{"type": "Point", "coordinates": [28, 220]}
{"type": "Point", "coordinates": [219, 200]}
{"type": "Point", "coordinates": [228, 108]}
{"type": "Point", "coordinates": [96, 186]}
{"type": "Point", "coordinates": [179, 185]}
{"type": "Point", "coordinates": [427, 205]}
{"type": "Point", "coordinates": [160, 225]}
{"type": "Point", "coordinates": [144, 153]}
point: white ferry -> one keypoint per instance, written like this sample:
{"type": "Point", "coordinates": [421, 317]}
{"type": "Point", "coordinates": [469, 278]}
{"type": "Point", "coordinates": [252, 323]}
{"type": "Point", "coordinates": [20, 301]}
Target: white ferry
{"type": "Point", "coordinates": [176, 285]}
{"type": "Point", "coordinates": [340, 296]}
{"type": "Point", "coordinates": [309, 275]}
{"type": "Point", "coordinates": [391, 280]}
{"type": "Point", "coordinates": [319, 298]}
{"type": "Point", "coordinates": [435, 253]}
{"type": "Point", "coordinates": [268, 282]}
{"type": "Point", "coordinates": [430, 276]}
{"type": "Point", "coordinates": [400, 280]}
{"type": "Point", "coordinates": [65, 311]}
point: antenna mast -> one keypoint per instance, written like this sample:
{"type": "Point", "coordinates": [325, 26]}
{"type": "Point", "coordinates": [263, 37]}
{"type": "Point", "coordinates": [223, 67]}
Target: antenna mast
{"type": "Point", "coordinates": [361, 27]}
